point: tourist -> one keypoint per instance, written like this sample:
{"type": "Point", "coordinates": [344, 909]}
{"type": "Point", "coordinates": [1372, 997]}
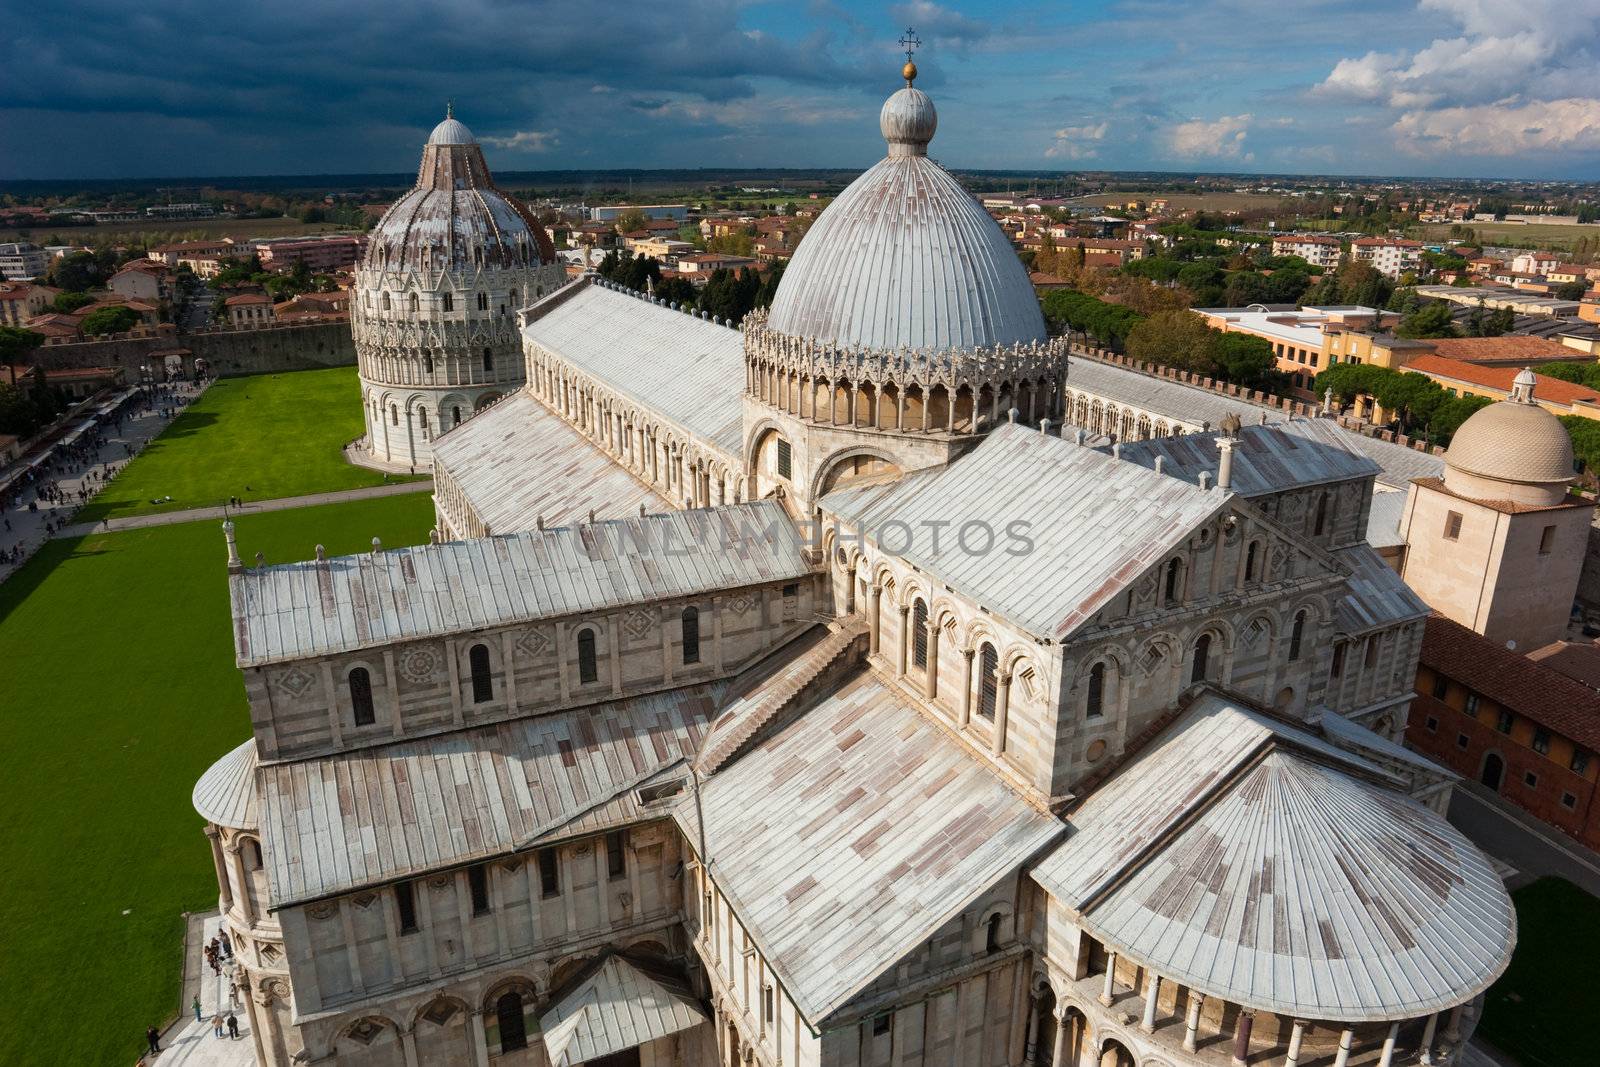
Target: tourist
{"type": "Point", "coordinates": [153, 1036]}
{"type": "Point", "coordinates": [216, 1024]}
{"type": "Point", "coordinates": [227, 946]}
{"type": "Point", "coordinates": [233, 1026]}
{"type": "Point", "coordinates": [196, 1006]}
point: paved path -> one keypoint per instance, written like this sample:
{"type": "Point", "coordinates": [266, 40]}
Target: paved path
{"type": "Point", "coordinates": [1508, 833]}
{"type": "Point", "coordinates": [167, 518]}
{"type": "Point", "coordinates": [26, 529]}
{"type": "Point", "coordinates": [188, 1043]}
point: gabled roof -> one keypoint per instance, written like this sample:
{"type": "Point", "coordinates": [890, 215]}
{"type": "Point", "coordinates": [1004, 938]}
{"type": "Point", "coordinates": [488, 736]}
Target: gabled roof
{"type": "Point", "coordinates": [1512, 680]}
{"type": "Point", "coordinates": [1095, 524]}
{"type": "Point", "coordinates": [319, 607]}
{"type": "Point", "coordinates": [336, 823]}
{"type": "Point", "coordinates": [612, 1008]}
{"type": "Point", "coordinates": [517, 463]}
{"type": "Point", "coordinates": [1256, 862]}
{"type": "Point", "coordinates": [1377, 598]}
{"type": "Point", "coordinates": [852, 836]}
{"type": "Point", "coordinates": [1266, 459]}
{"type": "Point", "coordinates": [621, 339]}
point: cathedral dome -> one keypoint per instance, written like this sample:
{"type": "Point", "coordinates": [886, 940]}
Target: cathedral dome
{"type": "Point", "coordinates": [907, 258]}
{"type": "Point", "coordinates": [455, 219]}
{"type": "Point", "coordinates": [1513, 450]}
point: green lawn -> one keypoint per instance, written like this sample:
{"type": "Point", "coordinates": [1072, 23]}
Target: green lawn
{"type": "Point", "coordinates": [119, 691]}
{"type": "Point", "coordinates": [1539, 1011]}
{"type": "Point", "coordinates": [260, 437]}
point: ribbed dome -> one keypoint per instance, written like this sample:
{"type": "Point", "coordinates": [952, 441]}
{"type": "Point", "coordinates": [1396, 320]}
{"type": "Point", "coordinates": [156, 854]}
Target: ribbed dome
{"type": "Point", "coordinates": [451, 131]}
{"type": "Point", "coordinates": [1514, 440]}
{"type": "Point", "coordinates": [905, 257]}
{"type": "Point", "coordinates": [455, 218]}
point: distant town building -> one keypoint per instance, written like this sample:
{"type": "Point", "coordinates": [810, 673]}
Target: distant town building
{"type": "Point", "coordinates": [143, 279]}
{"type": "Point", "coordinates": [321, 255]}
{"type": "Point", "coordinates": [1392, 256]}
{"type": "Point", "coordinates": [21, 301]}
{"type": "Point", "coordinates": [1319, 250]}
{"type": "Point", "coordinates": [612, 212]}
{"type": "Point", "coordinates": [249, 309]}
{"type": "Point", "coordinates": [22, 261]}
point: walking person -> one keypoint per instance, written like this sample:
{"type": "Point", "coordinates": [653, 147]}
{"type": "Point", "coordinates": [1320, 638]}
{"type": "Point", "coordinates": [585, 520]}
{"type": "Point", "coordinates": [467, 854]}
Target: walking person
{"type": "Point", "coordinates": [153, 1036]}
{"type": "Point", "coordinates": [196, 1006]}
{"type": "Point", "coordinates": [216, 1024]}
{"type": "Point", "coordinates": [233, 1026]}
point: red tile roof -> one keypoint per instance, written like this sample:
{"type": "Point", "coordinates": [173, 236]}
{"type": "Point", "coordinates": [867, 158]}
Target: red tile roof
{"type": "Point", "coordinates": [1507, 347]}
{"type": "Point", "coordinates": [1512, 680]}
{"type": "Point", "coordinates": [1549, 389]}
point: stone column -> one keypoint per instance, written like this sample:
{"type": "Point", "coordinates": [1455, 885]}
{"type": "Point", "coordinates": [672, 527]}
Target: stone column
{"type": "Point", "coordinates": [874, 620]}
{"type": "Point", "coordinates": [966, 687]}
{"type": "Point", "coordinates": [1297, 1036]}
{"type": "Point", "coordinates": [1241, 1039]}
{"type": "Point", "coordinates": [1452, 1027]}
{"type": "Point", "coordinates": [480, 1040]}
{"type": "Point", "coordinates": [253, 1015]}
{"type": "Point", "coordinates": [1058, 1056]}
{"type": "Point", "coordinates": [1002, 708]}
{"type": "Point", "coordinates": [1111, 978]}
{"type": "Point", "coordinates": [236, 861]}
{"type": "Point", "coordinates": [1346, 1039]}
{"type": "Point", "coordinates": [905, 642]}
{"type": "Point", "coordinates": [408, 1046]}
{"type": "Point", "coordinates": [224, 890]}
{"type": "Point", "coordinates": [1427, 1038]}
{"type": "Point", "coordinates": [1191, 1021]}
{"type": "Point", "coordinates": [1153, 982]}
{"type": "Point", "coordinates": [930, 681]}
{"type": "Point", "coordinates": [1386, 1057]}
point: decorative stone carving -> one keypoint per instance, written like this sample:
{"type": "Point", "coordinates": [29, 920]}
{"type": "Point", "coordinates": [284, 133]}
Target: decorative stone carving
{"type": "Point", "coordinates": [364, 900]}
{"type": "Point", "coordinates": [419, 665]}
{"type": "Point", "coordinates": [295, 681]}
{"type": "Point", "coordinates": [741, 603]}
{"type": "Point", "coordinates": [636, 624]}
{"type": "Point", "coordinates": [322, 910]}
{"type": "Point", "coordinates": [440, 883]}
{"type": "Point", "coordinates": [533, 642]}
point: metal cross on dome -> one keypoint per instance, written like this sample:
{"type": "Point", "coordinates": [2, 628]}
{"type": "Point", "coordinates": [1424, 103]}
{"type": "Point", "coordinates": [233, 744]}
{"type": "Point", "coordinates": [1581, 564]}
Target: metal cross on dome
{"type": "Point", "coordinates": [910, 42]}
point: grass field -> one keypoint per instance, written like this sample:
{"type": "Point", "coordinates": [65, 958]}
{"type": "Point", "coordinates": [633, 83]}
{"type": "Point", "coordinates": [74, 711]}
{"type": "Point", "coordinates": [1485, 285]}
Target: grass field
{"type": "Point", "coordinates": [266, 436]}
{"type": "Point", "coordinates": [1540, 1009]}
{"type": "Point", "coordinates": [167, 232]}
{"type": "Point", "coordinates": [1512, 235]}
{"type": "Point", "coordinates": [120, 690]}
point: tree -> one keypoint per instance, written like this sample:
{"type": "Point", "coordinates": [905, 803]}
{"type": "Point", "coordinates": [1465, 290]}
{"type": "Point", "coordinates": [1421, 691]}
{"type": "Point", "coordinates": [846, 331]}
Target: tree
{"type": "Point", "coordinates": [66, 303]}
{"type": "Point", "coordinates": [15, 343]}
{"type": "Point", "coordinates": [1571, 290]}
{"type": "Point", "coordinates": [1451, 413]}
{"type": "Point", "coordinates": [1179, 339]}
{"type": "Point", "coordinates": [1348, 380]}
{"type": "Point", "coordinates": [1247, 360]}
{"type": "Point", "coordinates": [631, 220]}
{"type": "Point", "coordinates": [1412, 397]}
{"type": "Point", "coordinates": [114, 319]}
{"type": "Point", "coordinates": [79, 271]}
{"type": "Point", "coordinates": [1430, 320]}
{"type": "Point", "coordinates": [1585, 434]}
{"type": "Point", "coordinates": [1108, 324]}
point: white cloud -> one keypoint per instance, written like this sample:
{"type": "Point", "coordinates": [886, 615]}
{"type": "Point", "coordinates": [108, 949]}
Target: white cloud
{"type": "Point", "coordinates": [1077, 142]}
{"type": "Point", "coordinates": [1220, 138]}
{"type": "Point", "coordinates": [1514, 79]}
{"type": "Point", "coordinates": [1503, 129]}
{"type": "Point", "coordinates": [525, 141]}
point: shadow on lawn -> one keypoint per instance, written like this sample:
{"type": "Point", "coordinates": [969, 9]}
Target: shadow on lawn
{"type": "Point", "coordinates": [17, 588]}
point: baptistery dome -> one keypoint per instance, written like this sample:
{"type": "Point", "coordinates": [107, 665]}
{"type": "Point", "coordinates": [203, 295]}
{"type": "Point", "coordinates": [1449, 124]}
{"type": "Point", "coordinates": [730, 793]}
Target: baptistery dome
{"type": "Point", "coordinates": [455, 218]}
{"type": "Point", "coordinates": [907, 258]}
{"type": "Point", "coordinates": [437, 294]}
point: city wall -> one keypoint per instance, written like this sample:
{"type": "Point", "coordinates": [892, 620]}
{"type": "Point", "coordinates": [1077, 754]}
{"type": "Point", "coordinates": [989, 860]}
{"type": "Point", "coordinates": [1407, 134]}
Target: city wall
{"type": "Point", "coordinates": [265, 349]}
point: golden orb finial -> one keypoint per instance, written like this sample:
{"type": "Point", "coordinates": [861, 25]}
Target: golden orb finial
{"type": "Point", "coordinates": [909, 72]}
{"type": "Point", "coordinates": [910, 42]}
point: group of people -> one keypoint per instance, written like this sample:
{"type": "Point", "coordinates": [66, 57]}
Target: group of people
{"type": "Point", "coordinates": [42, 486]}
{"type": "Point", "coordinates": [217, 951]}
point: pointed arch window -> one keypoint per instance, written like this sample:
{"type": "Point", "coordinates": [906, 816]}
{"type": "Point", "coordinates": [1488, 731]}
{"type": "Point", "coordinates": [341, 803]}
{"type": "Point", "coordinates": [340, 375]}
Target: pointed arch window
{"type": "Point", "coordinates": [361, 696]}
{"type": "Point", "coordinates": [988, 682]}
{"type": "Point", "coordinates": [1250, 555]}
{"type": "Point", "coordinates": [1202, 657]}
{"type": "Point", "coordinates": [482, 683]}
{"type": "Point", "coordinates": [691, 635]}
{"type": "Point", "coordinates": [1322, 514]}
{"type": "Point", "coordinates": [588, 666]}
{"type": "Point", "coordinates": [483, 301]}
{"type": "Point", "coordinates": [387, 306]}
{"type": "Point", "coordinates": [412, 303]}
{"type": "Point", "coordinates": [449, 302]}
{"type": "Point", "coordinates": [455, 415]}
{"type": "Point", "coordinates": [1095, 705]}
{"type": "Point", "coordinates": [1173, 585]}
{"type": "Point", "coordinates": [488, 359]}
{"type": "Point", "coordinates": [919, 633]}
{"type": "Point", "coordinates": [1296, 635]}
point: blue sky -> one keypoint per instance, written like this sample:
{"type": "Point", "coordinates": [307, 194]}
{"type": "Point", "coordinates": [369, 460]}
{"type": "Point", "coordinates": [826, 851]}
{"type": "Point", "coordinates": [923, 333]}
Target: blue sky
{"type": "Point", "coordinates": [107, 88]}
